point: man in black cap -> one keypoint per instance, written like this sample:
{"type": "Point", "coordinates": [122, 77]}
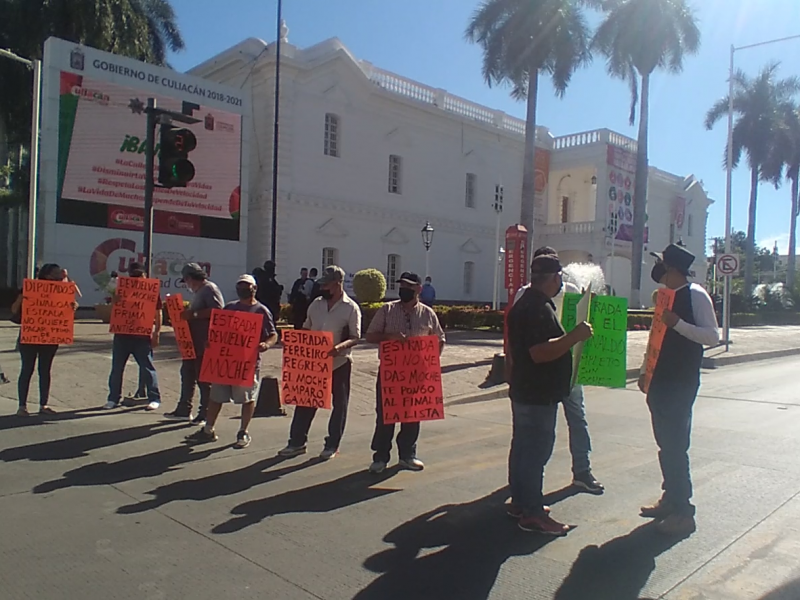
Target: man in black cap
{"type": "Point", "coordinates": [206, 296]}
{"type": "Point", "coordinates": [692, 323]}
{"type": "Point", "coordinates": [400, 320]}
{"type": "Point", "coordinates": [540, 368]}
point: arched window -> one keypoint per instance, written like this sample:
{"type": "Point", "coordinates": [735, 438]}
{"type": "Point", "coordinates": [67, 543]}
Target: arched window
{"type": "Point", "coordinates": [392, 271]}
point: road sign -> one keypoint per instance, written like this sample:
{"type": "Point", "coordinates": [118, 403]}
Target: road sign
{"type": "Point", "coordinates": [728, 264]}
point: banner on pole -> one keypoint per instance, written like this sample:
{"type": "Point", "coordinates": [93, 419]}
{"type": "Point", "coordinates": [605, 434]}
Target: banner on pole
{"type": "Point", "coordinates": [48, 316]}
{"type": "Point", "coordinates": [183, 335]}
{"type": "Point", "coordinates": [307, 369]}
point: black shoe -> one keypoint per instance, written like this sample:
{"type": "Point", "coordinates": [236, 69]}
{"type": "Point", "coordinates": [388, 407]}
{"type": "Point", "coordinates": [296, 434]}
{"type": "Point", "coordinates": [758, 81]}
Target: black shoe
{"type": "Point", "coordinates": [179, 414]}
{"type": "Point", "coordinates": [586, 481]}
{"type": "Point", "coordinates": [199, 420]}
{"type": "Point", "coordinates": [201, 436]}
{"type": "Point", "coordinates": [4, 379]}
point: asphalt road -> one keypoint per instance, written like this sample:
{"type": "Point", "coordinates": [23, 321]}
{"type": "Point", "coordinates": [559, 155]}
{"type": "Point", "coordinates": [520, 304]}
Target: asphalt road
{"type": "Point", "coordinates": [112, 506]}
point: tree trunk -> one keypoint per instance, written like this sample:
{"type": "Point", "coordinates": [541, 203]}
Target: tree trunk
{"type": "Point", "coordinates": [794, 175]}
{"type": "Point", "coordinates": [640, 195]}
{"type": "Point", "coordinates": [750, 250]}
{"type": "Point", "coordinates": [527, 205]}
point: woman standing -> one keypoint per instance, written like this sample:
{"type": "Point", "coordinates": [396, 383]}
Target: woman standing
{"type": "Point", "coordinates": [31, 352]}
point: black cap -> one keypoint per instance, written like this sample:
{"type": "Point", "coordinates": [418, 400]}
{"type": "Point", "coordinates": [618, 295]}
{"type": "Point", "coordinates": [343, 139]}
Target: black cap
{"type": "Point", "coordinates": [677, 257]}
{"type": "Point", "coordinates": [545, 250]}
{"type": "Point", "coordinates": [410, 278]}
{"type": "Point", "coordinates": [546, 264]}
{"type": "Point", "coordinates": [193, 270]}
{"type": "Point", "coordinates": [136, 269]}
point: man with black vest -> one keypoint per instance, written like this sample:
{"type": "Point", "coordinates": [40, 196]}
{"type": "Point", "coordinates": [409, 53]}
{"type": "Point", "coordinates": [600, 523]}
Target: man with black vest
{"type": "Point", "coordinates": [691, 324]}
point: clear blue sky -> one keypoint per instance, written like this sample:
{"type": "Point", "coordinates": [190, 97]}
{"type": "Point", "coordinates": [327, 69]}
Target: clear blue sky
{"type": "Point", "coordinates": [423, 40]}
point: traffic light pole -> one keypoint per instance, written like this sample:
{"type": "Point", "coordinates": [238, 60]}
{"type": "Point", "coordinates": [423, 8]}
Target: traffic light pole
{"type": "Point", "coordinates": [149, 184]}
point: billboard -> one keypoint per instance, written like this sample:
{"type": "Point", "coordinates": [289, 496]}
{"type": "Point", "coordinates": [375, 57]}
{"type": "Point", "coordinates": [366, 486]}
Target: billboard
{"type": "Point", "coordinates": [92, 167]}
{"type": "Point", "coordinates": [621, 183]}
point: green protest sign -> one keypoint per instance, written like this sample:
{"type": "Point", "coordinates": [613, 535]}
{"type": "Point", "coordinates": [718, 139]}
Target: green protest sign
{"type": "Point", "coordinates": [569, 311]}
{"type": "Point", "coordinates": [604, 360]}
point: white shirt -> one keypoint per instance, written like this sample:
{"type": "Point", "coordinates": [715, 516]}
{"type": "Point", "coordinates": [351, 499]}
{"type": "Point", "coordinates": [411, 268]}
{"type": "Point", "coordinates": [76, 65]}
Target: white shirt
{"type": "Point", "coordinates": [558, 299]}
{"type": "Point", "coordinates": [342, 318]}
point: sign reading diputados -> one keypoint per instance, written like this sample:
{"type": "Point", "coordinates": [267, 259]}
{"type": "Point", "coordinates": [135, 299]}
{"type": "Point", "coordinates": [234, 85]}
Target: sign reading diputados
{"type": "Point", "coordinates": [411, 380]}
{"type": "Point", "coordinates": [134, 311]}
{"type": "Point", "coordinates": [307, 372]}
{"type": "Point", "coordinates": [48, 316]}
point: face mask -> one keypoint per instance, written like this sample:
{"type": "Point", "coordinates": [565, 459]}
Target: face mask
{"type": "Point", "coordinates": [326, 294]}
{"type": "Point", "coordinates": [244, 293]}
{"type": "Point", "coordinates": [406, 295]}
{"type": "Point", "coordinates": [658, 272]}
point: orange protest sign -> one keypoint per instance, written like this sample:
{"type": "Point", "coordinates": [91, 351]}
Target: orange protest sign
{"type": "Point", "coordinates": [134, 311]}
{"type": "Point", "coordinates": [657, 331]}
{"type": "Point", "coordinates": [307, 373]}
{"type": "Point", "coordinates": [183, 336]}
{"type": "Point", "coordinates": [47, 314]}
{"type": "Point", "coordinates": [232, 350]}
{"type": "Point", "coordinates": [411, 380]}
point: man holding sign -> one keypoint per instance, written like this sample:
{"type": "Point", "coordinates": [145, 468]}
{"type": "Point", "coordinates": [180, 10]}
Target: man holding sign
{"type": "Point", "coordinates": [673, 384]}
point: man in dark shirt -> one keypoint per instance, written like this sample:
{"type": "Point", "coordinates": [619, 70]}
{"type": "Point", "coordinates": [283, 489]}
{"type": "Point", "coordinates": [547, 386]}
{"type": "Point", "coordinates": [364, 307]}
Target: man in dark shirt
{"type": "Point", "coordinates": [298, 299]}
{"type": "Point", "coordinates": [540, 373]}
{"type": "Point", "coordinates": [269, 291]}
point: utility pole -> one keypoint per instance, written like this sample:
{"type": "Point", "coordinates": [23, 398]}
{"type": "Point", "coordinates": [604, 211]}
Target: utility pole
{"type": "Point", "coordinates": [275, 140]}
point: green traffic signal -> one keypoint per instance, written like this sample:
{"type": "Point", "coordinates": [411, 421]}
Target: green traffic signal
{"type": "Point", "coordinates": [175, 169]}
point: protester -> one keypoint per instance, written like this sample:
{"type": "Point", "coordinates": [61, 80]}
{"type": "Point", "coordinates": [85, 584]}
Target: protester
{"type": "Point", "coordinates": [580, 443]}
{"type": "Point", "coordinates": [269, 291]}
{"type": "Point", "coordinates": [141, 347]}
{"type": "Point", "coordinates": [298, 299]}
{"type": "Point", "coordinates": [245, 395]}
{"type": "Point", "coordinates": [30, 353]}
{"type": "Point", "coordinates": [206, 296]}
{"type": "Point", "coordinates": [540, 374]}
{"type": "Point", "coordinates": [336, 312]}
{"type": "Point", "coordinates": [312, 288]}
{"type": "Point", "coordinates": [399, 320]}
{"type": "Point", "coordinates": [428, 294]}
{"type": "Point", "coordinates": [691, 323]}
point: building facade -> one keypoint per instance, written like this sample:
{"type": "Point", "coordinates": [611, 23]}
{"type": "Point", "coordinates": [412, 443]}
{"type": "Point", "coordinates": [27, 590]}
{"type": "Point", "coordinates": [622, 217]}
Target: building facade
{"type": "Point", "coordinates": [368, 157]}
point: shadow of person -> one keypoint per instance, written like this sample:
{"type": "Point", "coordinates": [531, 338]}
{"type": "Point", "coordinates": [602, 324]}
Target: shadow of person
{"type": "Point", "coordinates": [617, 570]}
{"type": "Point", "coordinates": [454, 551]}
{"type": "Point", "coordinates": [788, 591]}
{"type": "Point", "coordinates": [128, 469]}
{"type": "Point", "coordinates": [324, 497]}
{"type": "Point", "coordinates": [217, 485]}
{"type": "Point", "coordinates": [14, 422]}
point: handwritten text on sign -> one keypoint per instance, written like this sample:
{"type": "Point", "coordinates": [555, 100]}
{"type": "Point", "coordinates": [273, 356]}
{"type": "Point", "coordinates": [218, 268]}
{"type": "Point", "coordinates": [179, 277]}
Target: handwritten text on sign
{"type": "Point", "coordinates": [411, 380]}
{"type": "Point", "coordinates": [307, 368]}
{"type": "Point", "coordinates": [232, 351]}
{"type": "Point", "coordinates": [183, 336]}
{"type": "Point", "coordinates": [47, 314]}
{"type": "Point", "coordinates": [134, 311]}
{"type": "Point", "coordinates": [657, 331]}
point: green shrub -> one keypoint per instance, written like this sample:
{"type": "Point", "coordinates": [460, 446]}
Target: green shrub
{"type": "Point", "coordinates": [369, 286]}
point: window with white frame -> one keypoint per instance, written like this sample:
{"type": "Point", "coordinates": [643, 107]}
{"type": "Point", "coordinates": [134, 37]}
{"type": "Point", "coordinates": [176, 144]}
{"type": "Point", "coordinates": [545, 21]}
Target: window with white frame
{"type": "Point", "coordinates": [392, 271]}
{"type": "Point", "coordinates": [469, 277]}
{"type": "Point", "coordinates": [469, 196]}
{"type": "Point", "coordinates": [395, 173]}
{"type": "Point", "coordinates": [330, 257]}
{"type": "Point", "coordinates": [689, 226]}
{"type": "Point", "coordinates": [331, 135]}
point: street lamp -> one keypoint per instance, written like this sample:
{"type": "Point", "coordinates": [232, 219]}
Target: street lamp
{"type": "Point", "coordinates": [282, 31]}
{"type": "Point", "coordinates": [498, 210]}
{"type": "Point", "coordinates": [726, 301]}
{"type": "Point", "coordinates": [427, 240]}
{"type": "Point", "coordinates": [33, 190]}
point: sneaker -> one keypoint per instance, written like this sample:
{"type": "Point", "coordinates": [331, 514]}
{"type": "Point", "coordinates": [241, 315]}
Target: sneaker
{"type": "Point", "coordinates": [544, 524]}
{"type": "Point", "coordinates": [137, 396]}
{"type": "Point", "coordinates": [515, 512]}
{"type": "Point", "coordinates": [179, 414]}
{"type": "Point", "coordinates": [4, 379]}
{"type": "Point", "coordinates": [46, 410]}
{"type": "Point", "coordinates": [23, 412]}
{"type": "Point", "coordinates": [242, 440]}
{"type": "Point", "coordinates": [377, 466]}
{"type": "Point", "coordinates": [201, 436]}
{"type": "Point", "coordinates": [659, 510]}
{"type": "Point", "coordinates": [111, 405]}
{"type": "Point", "coordinates": [328, 453]}
{"type": "Point", "coordinates": [292, 451]}
{"type": "Point", "coordinates": [586, 481]}
{"type": "Point", "coordinates": [411, 464]}
{"type": "Point", "coordinates": [153, 406]}
{"type": "Point", "coordinates": [677, 525]}
{"type": "Point", "coordinates": [199, 420]}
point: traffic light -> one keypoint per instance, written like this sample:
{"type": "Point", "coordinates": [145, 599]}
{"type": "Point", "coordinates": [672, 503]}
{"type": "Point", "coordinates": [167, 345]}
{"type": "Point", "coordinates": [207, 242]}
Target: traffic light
{"type": "Point", "coordinates": [174, 167]}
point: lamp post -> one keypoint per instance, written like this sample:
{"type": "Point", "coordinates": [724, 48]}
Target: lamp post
{"type": "Point", "coordinates": [498, 210]}
{"type": "Point", "coordinates": [275, 143]}
{"type": "Point", "coordinates": [427, 240]}
{"type": "Point", "coordinates": [726, 295]}
{"type": "Point", "coordinates": [33, 190]}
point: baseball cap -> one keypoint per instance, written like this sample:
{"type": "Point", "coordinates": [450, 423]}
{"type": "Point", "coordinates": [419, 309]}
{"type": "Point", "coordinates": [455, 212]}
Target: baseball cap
{"type": "Point", "coordinates": [677, 257]}
{"type": "Point", "coordinates": [546, 264]}
{"type": "Point", "coordinates": [193, 270]}
{"type": "Point", "coordinates": [331, 274]}
{"type": "Point", "coordinates": [245, 278]}
{"type": "Point", "coordinates": [410, 278]}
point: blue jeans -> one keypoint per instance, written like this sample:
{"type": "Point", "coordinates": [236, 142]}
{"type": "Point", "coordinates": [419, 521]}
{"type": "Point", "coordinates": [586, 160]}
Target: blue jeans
{"type": "Point", "coordinates": [532, 441]}
{"type": "Point", "coordinates": [138, 346]}
{"type": "Point", "coordinates": [579, 443]}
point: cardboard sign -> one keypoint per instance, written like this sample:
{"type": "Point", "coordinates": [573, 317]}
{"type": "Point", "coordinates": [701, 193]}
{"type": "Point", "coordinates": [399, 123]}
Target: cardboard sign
{"type": "Point", "coordinates": [411, 380]}
{"type": "Point", "coordinates": [581, 315]}
{"type": "Point", "coordinates": [657, 331]}
{"type": "Point", "coordinates": [183, 335]}
{"type": "Point", "coordinates": [307, 372]}
{"type": "Point", "coordinates": [232, 350]}
{"type": "Point", "coordinates": [604, 360]}
{"type": "Point", "coordinates": [47, 314]}
{"type": "Point", "coordinates": [134, 311]}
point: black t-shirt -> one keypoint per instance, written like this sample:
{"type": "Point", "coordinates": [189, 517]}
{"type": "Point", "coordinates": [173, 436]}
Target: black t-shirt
{"type": "Point", "coordinates": [533, 321]}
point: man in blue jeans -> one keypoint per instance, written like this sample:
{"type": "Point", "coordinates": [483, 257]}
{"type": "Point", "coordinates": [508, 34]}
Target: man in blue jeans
{"type": "Point", "coordinates": [141, 348]}
{"type": "Point", "coordinates": [540, 369]}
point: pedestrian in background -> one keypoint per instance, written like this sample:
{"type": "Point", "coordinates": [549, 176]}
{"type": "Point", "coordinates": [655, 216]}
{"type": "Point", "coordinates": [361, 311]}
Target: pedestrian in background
{"type": "Point", "coordinates": [298, 299]}
{"type": "Point", "coordinates": [428, 294]}
{"type": "Point", "coordinates": [269, 291]}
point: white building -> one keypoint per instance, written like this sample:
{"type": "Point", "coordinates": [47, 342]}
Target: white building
{"type": "Point", "coordinates": [367, 157]}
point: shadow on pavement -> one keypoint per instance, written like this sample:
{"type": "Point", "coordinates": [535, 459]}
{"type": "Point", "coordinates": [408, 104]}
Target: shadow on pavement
{"type": "Point", "coordinates": [788, 591]}
{"type": "Point", "coordinates": [217, 485]}
{"type": "Point", "coordinates": [454, 551]}
{"type": "Point", "coordinates": [617, 570]}
{"type": "Point", "coordinates": [324, 497]}
{"type": "Point", "coordinates": [13, 421]}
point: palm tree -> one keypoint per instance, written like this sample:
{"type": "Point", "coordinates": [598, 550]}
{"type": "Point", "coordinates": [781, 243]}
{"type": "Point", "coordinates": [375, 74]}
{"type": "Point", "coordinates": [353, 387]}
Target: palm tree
{"type": "Point", "coordinates": [760, 106]}
{"type": "Point", "coordinates": [521, 39]}
{"type": "Point", "coordinates": [637, 37]}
